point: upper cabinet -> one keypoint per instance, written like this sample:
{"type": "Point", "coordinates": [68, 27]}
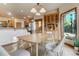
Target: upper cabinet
{"type": "Point", "coordinates": [51, 21]}
{"type": "Point", "coordinates": [11, 23]}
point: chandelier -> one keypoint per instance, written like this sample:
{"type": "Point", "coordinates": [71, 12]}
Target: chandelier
{"type": "Point", "coordinates": [38, 9]}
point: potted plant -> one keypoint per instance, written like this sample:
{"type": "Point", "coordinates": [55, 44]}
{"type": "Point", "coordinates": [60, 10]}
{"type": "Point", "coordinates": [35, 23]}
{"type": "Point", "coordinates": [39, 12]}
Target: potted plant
{"type": "Point", "coordinates": [76, 44]}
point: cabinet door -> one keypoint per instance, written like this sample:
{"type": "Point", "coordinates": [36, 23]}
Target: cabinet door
{"type": "Point", "coordinates": [51, 21]}
{"type": "Point", "coordinates": [11, 23]}
{"type": "Point", "coordinates": [18, 24]}
{"type": "Point", "coordinates": [4, 23]}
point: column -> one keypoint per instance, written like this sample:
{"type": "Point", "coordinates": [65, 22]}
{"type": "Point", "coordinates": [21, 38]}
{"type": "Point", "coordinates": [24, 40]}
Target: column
{"type": "Point", "coordinates": [22, 24]}
{"type": "Point", "coordinates": [42, 24]}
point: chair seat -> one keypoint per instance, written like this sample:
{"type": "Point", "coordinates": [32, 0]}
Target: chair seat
{"type": "Point", "coordinates": [50, 46]}
{"type": "Point", "coordinates": [20, 52]}
{"type": "Point", "coordinates": [50, 53]}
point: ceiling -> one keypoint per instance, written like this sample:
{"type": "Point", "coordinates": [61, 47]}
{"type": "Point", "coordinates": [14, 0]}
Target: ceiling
{"type": "Point", "coordinates": [21, 10]}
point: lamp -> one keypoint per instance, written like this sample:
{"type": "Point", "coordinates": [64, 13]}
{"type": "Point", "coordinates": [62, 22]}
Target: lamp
{"type": "Point", "coordinates": [33, 10]}
{"type": "Point", "coordinates": [38, 9]}
{"type": "Point", "coordinates": [38, 14]}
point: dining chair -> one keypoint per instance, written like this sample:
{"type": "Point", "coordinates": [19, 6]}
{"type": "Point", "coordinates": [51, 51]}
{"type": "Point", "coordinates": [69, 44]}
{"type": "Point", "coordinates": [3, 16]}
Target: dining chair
{"type": "Point", "coordinates": [50, 35]}
{"type": "Point", "coordinates": [19, 48]}
{"type": "Point", "coordinates": [49, 43]}
{"type": "Point", "coordinates": [3, 52]}
{"type": "Point", "coordinates": [18, 52]}
{"type": "Point", "coordinates": [58, 50]}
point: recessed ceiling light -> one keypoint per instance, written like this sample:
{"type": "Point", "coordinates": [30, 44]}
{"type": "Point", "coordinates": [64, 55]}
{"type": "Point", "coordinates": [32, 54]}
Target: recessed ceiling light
{"type": "Point", "coordinates": [9, 13]}
{"type": "Point", "coordinates": [12, 17]}
{"type": "Point", "coordinates": [21, 10]}
{"type": "Point", "coordinates": [24, 17]}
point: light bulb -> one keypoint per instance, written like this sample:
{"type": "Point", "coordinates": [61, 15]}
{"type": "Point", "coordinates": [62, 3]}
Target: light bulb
{"type": "Point", "coordinates": [33, 10]}
{"type": "Point", "coordinates": [38, 14]}
{"type": "Point", "coordinates": [42, 10]}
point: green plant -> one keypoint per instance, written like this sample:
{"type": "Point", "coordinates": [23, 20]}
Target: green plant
{"type": "Point", "coordinates": [76, 42]}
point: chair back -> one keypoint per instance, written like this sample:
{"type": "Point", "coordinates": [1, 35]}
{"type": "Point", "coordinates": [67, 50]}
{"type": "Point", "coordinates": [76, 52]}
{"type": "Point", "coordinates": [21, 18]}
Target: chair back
{"type": "Point", "coordinates": [50, 36]}
{"type": "Point", "coordinates": [59, 48]}
{"type": "Point", "coordinates": [3, 52]}
{"type": "Point", "coordinates": [6, 36]}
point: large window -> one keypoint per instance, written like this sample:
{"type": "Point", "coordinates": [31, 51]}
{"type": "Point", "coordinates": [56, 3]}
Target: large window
{"type": "Point", "coordinates": [70, 23]}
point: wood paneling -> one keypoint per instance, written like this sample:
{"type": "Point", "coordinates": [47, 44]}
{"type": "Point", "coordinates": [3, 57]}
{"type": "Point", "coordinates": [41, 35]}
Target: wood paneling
{"type": "Point", "coordinates": [4, 23]}
{"type": "Point", "coordinates": [11, 23]}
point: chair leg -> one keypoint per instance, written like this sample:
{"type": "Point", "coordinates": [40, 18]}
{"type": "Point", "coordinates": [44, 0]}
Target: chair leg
{"type": "Point", "coordinates": [18, 45]}
{"type": "Point", "coordinates": [31, 48]}
{"type": "Point", "coordinates": [45, 52]}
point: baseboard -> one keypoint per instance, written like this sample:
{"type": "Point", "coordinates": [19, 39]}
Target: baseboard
{"type": "Point", "coordinates": [69, 45]}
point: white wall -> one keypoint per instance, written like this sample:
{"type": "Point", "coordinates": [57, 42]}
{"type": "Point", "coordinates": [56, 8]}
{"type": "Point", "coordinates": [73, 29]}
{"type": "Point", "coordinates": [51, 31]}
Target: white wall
{"type": "Point", "coordinates": [67, 6]}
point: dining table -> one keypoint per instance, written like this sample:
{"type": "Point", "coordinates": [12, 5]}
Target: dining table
{"type": "Point", "coordinates": [36, 38]}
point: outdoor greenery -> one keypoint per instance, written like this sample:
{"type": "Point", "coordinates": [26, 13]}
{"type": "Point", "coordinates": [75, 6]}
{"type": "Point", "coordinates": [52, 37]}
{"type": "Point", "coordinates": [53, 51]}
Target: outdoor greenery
{"type": "Point", "coordinates": [76, 42]}
{"type": "Point", "coordinates": [67, 26]}
{"type": "Point", "coordinates": [69, 23]}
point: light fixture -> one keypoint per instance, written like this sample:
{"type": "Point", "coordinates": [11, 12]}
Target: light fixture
{"type": "Point", "coordinates": [42, 10]}
{"type": "Point", "coordinates": [38, 9]}
{"type": "Point", "coordinates": [22, 11]}
{"type": "Point", "coordinates": [38, 14]}
{"type": "Point", "coordinates": [33, 10]}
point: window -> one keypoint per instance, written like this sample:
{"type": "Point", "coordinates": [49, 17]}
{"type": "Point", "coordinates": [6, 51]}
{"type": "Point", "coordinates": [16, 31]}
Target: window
{"type": "Point", "coordinates": [70, 23]}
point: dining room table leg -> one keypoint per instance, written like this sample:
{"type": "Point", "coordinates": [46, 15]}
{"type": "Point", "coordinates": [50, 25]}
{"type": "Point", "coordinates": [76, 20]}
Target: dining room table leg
{"type": "Point", "coordinates": [19, 44]}
{"type": "Point", "coordinates": [31, 47]}
{"type": "Point", "coordinates": [36, 49]}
